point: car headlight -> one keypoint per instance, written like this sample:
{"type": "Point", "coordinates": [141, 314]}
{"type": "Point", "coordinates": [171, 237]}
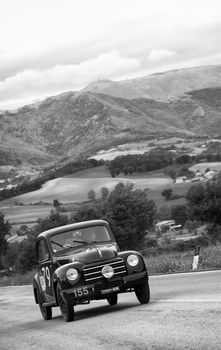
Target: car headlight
{"type": "Point", "coordinates": [132, 260]}
{"type": "Point", "coordinates": [72, 274]}
{"type": "Point", "coordinates": [108, 271]}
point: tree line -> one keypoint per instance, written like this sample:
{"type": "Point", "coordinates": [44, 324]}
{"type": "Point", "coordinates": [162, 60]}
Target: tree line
{"type": "Point", "coordinates": [157, 158]}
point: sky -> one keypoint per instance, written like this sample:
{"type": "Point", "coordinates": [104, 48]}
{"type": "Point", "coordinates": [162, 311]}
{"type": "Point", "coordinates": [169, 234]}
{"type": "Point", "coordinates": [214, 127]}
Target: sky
{"type": "Point", "coordinates": [52, 46]}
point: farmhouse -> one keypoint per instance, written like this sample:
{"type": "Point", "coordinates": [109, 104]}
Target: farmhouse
{"type": "Point", "coordinates": [210, 174]}
{"type": "Point", "coordinates": [180, 179]}
{"type": "Point", "coordinates": [167, 225]}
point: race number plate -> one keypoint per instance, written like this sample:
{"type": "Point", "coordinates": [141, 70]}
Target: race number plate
{"type": "Point", "coordinates": [81, 292]}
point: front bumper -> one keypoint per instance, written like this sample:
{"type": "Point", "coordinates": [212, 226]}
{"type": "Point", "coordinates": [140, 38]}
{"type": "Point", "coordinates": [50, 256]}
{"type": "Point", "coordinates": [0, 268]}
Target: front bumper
{"type": "Point", "coordinates": [104, 288]}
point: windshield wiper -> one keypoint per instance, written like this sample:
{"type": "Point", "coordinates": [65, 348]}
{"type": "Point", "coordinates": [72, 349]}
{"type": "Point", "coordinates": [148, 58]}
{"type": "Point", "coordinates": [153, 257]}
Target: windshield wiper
{"type": "Point", "coordinates": [56, 243]}
{"type": "Point", "coordinates": [78, 241]}
{"type": "Point", "coordinates": [84, 242]}
{"type": "Point", "coordinates": [68, 245]}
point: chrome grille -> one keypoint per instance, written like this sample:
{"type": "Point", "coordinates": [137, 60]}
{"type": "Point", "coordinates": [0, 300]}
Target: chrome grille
{"type": "Point", "coordinates": [94, 273]}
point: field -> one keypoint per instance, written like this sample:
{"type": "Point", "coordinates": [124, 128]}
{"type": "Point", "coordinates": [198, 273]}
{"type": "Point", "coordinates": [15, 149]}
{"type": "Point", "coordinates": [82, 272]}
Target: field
{"type": "Point", "coordinates": [27, 208]}
{"type": "Point", "coordinates": [19, 214]}
{"type": "Point", "coordinates": [203, 166]}
{"type": "Point", "coordinates": [74, 188]}
{"type": "Point", "coordinates": [193, 147]}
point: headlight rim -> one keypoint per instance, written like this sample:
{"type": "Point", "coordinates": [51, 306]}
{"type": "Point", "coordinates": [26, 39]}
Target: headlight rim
{"type": "Point", "coordinates": [135, 258]}
{"type": "Point", "coordinates": [71, 279]}
{"type": "Point", "coordinates": [106, 274]}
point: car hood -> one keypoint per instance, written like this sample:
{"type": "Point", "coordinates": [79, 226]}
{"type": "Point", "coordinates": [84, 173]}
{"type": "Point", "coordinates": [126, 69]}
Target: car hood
{"type": "Point", "coordinates": [89, 254]}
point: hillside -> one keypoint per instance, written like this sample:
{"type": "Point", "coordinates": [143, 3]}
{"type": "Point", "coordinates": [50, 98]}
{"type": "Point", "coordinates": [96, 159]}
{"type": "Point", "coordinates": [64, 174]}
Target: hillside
{"type": "Point", "coordinates": [161, 86]}
{"type": "Point", "coordinates": [73, 124]}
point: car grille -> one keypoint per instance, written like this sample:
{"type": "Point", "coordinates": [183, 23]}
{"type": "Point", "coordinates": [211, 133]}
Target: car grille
{"type": "Point", "coordinates": [94, 273]}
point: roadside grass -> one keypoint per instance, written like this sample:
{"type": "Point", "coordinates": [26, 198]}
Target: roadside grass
{"type": "Point", "coordinates": [175, 262]}
{"type": "Point", "coordinates": [17, 279]}
{"type": "Point", "coordinates": [162, 263]}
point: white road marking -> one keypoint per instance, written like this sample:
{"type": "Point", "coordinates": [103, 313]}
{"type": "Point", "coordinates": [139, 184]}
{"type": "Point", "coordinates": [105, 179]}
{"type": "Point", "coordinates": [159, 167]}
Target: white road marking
{"type": "Point", "coordinates": [187, 300]}
{"type": "Point", "coordinates": [184, 274]}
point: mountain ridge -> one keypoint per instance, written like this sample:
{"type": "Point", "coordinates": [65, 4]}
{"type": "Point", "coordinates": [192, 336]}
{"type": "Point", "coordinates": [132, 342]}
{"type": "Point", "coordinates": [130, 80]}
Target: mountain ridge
{"type": "Point", "coordinates": [76, 124]}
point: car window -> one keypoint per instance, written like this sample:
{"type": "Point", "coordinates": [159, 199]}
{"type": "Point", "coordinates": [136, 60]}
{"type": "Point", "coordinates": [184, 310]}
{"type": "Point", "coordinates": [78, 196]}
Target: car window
{"type": "Point", "coordinates": [43, 253]}
{"type": "Point", "coordinates": [75, 238]}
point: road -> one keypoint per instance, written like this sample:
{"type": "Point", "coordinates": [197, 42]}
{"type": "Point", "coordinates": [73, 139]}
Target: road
{"type": "Point", "coordinates": [184, 313]}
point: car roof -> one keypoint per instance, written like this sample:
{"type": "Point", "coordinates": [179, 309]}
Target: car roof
{"type": "Point", "coordinates": [74, 226]}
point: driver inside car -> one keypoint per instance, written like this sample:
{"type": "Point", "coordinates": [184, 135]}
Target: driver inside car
{"type": "Point", "coordinates": [89, 235]}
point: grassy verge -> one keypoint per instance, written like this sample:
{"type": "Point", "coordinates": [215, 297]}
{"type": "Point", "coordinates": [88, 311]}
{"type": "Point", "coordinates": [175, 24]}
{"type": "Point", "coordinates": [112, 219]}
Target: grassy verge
{"type": "Point", "coordinates": [17, 279]}
{"type": "Point", "coordinates": [170, 262]}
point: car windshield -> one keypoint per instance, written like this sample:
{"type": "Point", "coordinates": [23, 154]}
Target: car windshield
{"type": "Point", "coordinates": [75, 238]}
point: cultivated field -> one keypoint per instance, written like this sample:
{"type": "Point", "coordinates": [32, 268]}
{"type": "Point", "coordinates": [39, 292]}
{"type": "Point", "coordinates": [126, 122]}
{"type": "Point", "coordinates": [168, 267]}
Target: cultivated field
{"type": "Point", "coordinates": [193, 147]}
{"type": "Point", "coordinates": [20, 214]}
{"type": "Point", "coordinates": [203, 166]}
{"type": "Point", "coordinates": [75, 188]}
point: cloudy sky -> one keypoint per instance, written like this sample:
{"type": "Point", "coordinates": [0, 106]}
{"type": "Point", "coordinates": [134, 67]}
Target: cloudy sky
{"type": "Point", "coordinates": [51, 46]}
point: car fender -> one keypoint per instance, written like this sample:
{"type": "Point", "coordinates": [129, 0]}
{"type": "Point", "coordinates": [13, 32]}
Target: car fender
{"type": "Point", "coordinates": [141, 265]}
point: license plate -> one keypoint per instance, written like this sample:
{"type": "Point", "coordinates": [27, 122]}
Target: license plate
{"type": "Point", "coordinates": [81, 292]}
{"type": "Point", "coordinates": [110, 290]}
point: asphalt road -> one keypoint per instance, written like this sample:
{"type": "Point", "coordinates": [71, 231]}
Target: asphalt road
{"type": "Point", "coordinates": [184, 313]}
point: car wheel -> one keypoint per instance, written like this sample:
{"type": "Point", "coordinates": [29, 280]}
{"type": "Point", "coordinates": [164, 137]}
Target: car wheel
{"type": "Point", "coordinates": [45, 310]}
{"type": "Point", "coordinates": [112, 300]}
{"type": "Point", "coordinates": [142, 292]}
{"type": "Point", "coordinates": [66, 306]}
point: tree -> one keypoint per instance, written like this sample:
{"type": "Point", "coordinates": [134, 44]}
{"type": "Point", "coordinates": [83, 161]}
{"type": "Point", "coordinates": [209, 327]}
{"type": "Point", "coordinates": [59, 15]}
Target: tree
{"type": "Point", "coordinates": [184, 171]}
{"type": "Point", "coordinates": [179, 214]}
{"type": "Point", "coordinates": [4, 230]}
{"type": "Point", "coordinates": [26, 259]}
{"type": "Point", "coordinates": [104, 193]}
{"type": "Point", "coordinates": [84, 214]}
{"type": "Point", "coordinates": [130, 214]}
{"type": "Point", "coordinates": [22, 257]}
{"type": "Point", "coordinates": [191, 226]}
{"type": "Point", "coordinates": [56, 203]}
{"type": "Point", "coordinates": [171, 173]}
{"type": "Point", "coordinates": [164, 213]}
{"type": "Point", "coordinates": [204, 202]}
{"type": "Point", "coordinates": [55, 219]}
{"type": "Point", "coordinates": [112, 173]}
{"type": "Point", "coordinates": [167, 193]}
{"type": "Point", "coordinates": [91, 195]}
{"type": "Point", "coordinates": [184, 158]}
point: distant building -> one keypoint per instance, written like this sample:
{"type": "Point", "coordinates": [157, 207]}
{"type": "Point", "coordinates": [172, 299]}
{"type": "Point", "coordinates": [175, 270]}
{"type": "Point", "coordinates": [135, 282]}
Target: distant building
{"type": "Point", "coordinates": [197, 179]}
{"type": "Point", "coordinates": [167, 225]}
{"type": "Point", "coordinates": [180, 179]}
{"type": "Point", "coordinates": [16, 239]}
{"type": "Point", "coordinates": [210, 174]}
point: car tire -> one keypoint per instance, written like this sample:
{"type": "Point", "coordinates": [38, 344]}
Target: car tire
{"type": "Point", "coordinates": [45, 310]}
{"type": "Point", "coordinates": [142, 292]}
{"type": "Point", "coordinates": [66, 306]}
{"type": "Point", "coordinates": [112, 300]}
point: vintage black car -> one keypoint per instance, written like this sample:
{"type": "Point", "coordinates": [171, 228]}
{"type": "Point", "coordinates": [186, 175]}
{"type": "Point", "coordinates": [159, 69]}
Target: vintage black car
{"type": "Point", "coordinates": [81, 262]}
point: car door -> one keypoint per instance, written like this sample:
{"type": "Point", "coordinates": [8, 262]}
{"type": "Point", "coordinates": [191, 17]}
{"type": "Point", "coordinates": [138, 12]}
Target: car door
{"type": "Point", "coordinates": [45, 270]}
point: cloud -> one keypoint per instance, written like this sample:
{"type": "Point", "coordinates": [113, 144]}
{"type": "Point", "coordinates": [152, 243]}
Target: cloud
{"type": "Point", "coordinates": [72, 43]}
{"type": "Point", "coordinates": [158, 54]}
{"type": "Point", "coordinates": [40, 83]}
